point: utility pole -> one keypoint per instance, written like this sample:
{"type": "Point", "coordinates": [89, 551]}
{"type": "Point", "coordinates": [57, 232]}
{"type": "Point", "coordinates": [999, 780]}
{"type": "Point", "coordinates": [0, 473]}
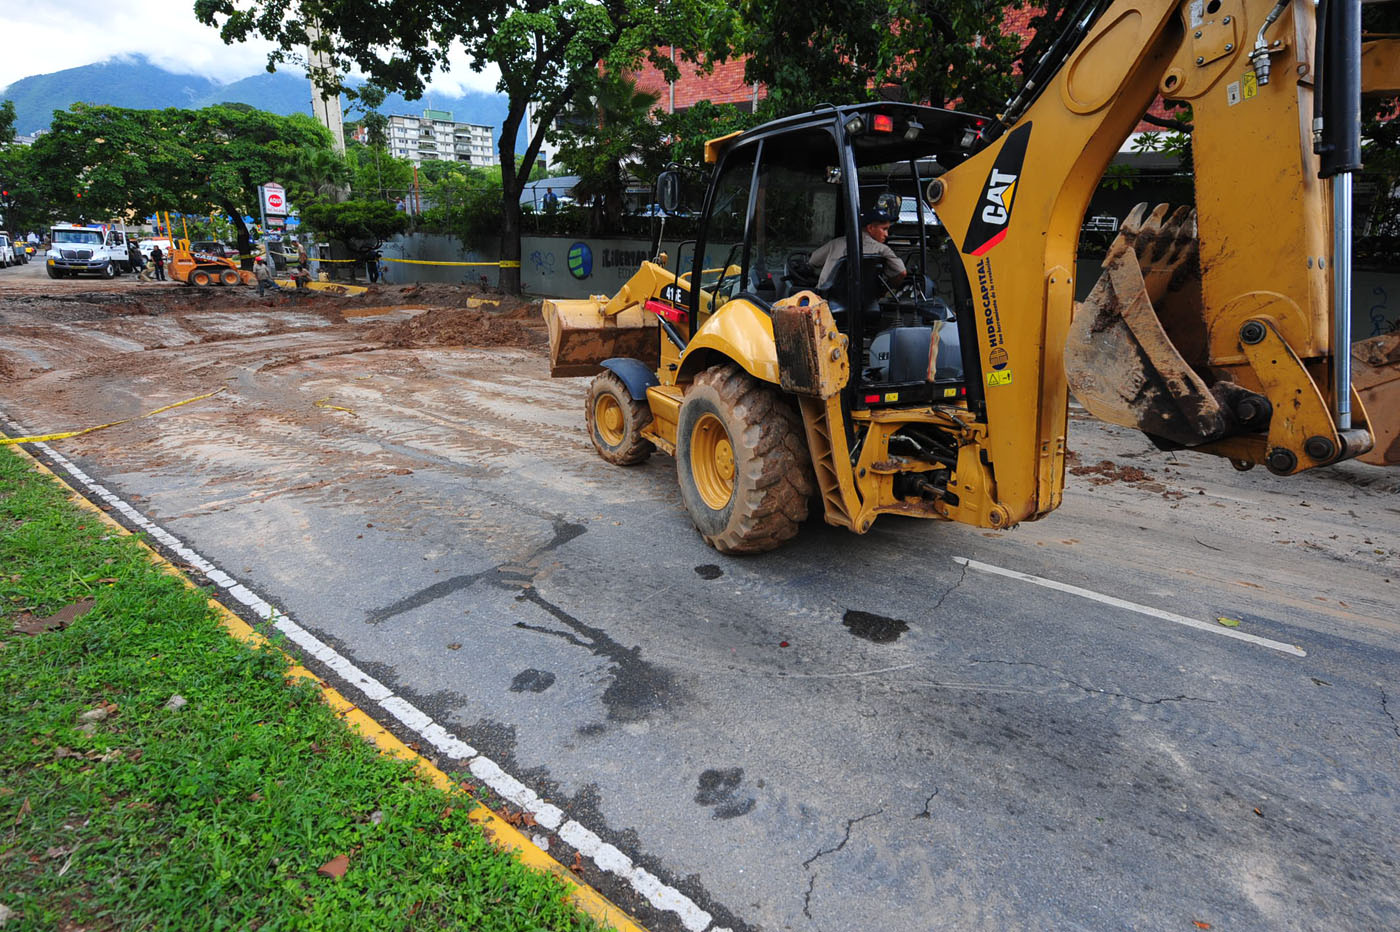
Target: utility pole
{"type": "Point", "coordinates": [325, 104]}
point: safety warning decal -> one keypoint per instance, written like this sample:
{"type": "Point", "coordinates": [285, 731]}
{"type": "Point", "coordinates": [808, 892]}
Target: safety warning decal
{"type": "Point", "coordinates": [993, 216]}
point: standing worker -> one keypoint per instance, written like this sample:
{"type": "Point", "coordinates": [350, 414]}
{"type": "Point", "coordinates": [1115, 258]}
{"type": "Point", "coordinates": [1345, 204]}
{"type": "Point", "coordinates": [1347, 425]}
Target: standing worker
{"type": "Point", "coordinates": [136, 261]}
{"type": "Point", "coordinates": [263, 273]}
{"type": "Point", "coordinates": [158, 262]}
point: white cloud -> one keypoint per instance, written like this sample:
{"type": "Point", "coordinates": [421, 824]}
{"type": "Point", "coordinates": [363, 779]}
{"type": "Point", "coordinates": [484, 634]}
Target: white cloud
{"type": "Point", "coordinates": [41, 38]}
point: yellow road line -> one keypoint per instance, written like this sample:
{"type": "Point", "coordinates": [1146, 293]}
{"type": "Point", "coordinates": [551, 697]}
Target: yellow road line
{"type": "Point", "coordinates": [497, 828]}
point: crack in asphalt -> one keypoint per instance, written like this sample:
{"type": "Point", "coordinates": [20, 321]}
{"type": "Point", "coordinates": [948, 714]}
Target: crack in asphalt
{"type": "Point", "coordinates": [927, 813]}
{"type": "Point", "coordinates": [1092, 689]}
{"type": "Point", "coordinates": [1385, 707]}
{"type": "Point", "coordinates": [950, 590]}
{"type": "Point", "coordinates": [812, 881]}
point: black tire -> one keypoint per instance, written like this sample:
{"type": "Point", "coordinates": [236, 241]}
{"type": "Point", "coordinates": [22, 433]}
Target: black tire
{"type": "Point", "coordinates": [616, 420]}
{"type": "Point", "coordinates": [109, 270]}
{"type": "Point", "coordinates": [770, 472]}
{"type": "Point", "coordinates": [54, 273]}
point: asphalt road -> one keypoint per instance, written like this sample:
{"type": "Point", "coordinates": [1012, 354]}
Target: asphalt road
{"type": "Point", "coordinates": [877, 732]}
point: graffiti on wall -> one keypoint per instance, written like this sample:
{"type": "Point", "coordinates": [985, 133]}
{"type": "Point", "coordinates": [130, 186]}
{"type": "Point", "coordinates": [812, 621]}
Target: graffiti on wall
{"type": "Point", "coordinates": [1383, 317]}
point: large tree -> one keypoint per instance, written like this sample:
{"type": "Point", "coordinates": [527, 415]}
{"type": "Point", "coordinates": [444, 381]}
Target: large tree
{"type": "Point", "coordinates": [105, 162]}
{"type": "Point", "coordinates": [545, 50]}
{"type": "Point", "coordinates": [955, 52]}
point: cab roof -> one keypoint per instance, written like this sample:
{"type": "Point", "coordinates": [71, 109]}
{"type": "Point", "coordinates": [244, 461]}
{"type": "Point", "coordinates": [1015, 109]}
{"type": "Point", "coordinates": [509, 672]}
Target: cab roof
{"type": "Point", "coordinates": [904, 131]}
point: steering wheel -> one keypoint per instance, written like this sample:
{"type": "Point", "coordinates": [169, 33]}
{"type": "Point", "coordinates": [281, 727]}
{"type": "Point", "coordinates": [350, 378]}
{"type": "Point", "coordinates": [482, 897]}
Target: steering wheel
{"type": "Point", "coordinates": [799, 270]}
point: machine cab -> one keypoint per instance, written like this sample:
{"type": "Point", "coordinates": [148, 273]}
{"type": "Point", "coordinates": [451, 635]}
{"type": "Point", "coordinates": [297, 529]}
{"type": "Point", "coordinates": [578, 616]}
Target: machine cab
{"type": "Point", "coordinates": [785, 213]}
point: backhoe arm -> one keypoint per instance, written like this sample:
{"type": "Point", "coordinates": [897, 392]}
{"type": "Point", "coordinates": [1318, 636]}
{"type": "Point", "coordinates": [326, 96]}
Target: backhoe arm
{"type": "Point", "coordinates": [1210, 329]}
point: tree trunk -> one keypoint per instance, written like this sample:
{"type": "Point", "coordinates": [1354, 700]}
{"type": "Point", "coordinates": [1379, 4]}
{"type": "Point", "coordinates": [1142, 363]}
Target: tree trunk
{"type": "Point", "coordinates": [245, 239]}
{"type": "Point", "coordinates": [510, 245]}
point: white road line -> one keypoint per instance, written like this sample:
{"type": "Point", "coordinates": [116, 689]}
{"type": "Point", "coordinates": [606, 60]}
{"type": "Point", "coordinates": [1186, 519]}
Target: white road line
{"type": "Point", "coordinates": [604, 855]}
{"type": "Point", "coordinates": [1134, 607]}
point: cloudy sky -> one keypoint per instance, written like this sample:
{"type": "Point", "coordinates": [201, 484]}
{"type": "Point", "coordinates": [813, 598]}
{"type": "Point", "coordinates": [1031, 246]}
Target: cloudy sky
{"type": "Point", "coordinates": [43, 37]}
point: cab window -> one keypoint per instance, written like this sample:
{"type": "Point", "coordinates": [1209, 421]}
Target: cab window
{"type": "Point", "coordinates": [720, 266]}
{"type": "Point", "coordinates": [797, 209]}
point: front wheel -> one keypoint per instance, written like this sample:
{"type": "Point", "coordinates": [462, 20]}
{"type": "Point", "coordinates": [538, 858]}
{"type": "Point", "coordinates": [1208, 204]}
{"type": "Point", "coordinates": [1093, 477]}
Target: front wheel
{"type": "Point", "coordinates": [742, 462]}
{"type": "Point", "coordinates": [109, 270]}
{"type": "Point", "coordinates": [616, 421]}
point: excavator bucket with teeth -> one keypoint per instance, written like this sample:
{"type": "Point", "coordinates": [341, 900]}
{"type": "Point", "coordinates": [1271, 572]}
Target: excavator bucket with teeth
{"type": "Point", "coordinates": [1375, 375]}
{"type": "Point", "coordinates": [1122, 362]}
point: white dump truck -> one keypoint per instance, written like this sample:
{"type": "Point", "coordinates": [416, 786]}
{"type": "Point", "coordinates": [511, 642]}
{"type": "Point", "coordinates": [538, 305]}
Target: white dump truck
{"type": "Point", "coordinates": [86, 250]}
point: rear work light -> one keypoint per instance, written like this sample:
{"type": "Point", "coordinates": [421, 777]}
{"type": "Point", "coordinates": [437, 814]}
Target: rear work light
{"type": "Point", "coordinates": [882, 123]}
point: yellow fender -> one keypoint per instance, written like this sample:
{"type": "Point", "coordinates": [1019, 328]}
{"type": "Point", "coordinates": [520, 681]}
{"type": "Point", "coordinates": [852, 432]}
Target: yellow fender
{"type": "Point", "coordinates": [738, 331]}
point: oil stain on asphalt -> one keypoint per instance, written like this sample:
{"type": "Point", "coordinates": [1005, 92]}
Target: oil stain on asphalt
{"type": "Point", "coordinates": [875, 628]}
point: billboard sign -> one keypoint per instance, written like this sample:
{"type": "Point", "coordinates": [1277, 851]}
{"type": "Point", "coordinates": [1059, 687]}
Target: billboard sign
{"type": "Point", "coordinates": [274, 199]}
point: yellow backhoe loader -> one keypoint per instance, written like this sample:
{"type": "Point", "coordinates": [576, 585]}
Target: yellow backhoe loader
{"type": "Point", "coordinates": [1222, 329]}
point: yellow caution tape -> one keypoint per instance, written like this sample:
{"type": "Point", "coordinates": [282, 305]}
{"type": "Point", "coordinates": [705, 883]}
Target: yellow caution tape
{"type": "Point", "coordinates": [322, 404]}
{"type": "Point", "coordinates": [44, 438]}
{"type": "Point", "coordinates": [504, 263]}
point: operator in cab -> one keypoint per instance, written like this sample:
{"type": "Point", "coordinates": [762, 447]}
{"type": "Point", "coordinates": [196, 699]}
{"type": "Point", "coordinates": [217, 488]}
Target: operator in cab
{"type": "Point", "coordinates": [875, 229]}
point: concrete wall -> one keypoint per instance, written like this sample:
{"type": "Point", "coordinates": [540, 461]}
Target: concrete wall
{"type": "Point", "coordinates": [601, 265]}
{"type": "Point", "coordinates": [436, 248]}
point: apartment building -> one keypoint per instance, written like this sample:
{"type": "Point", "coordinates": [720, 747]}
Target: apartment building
{"type": "Point", "coordinates": [436, 137]}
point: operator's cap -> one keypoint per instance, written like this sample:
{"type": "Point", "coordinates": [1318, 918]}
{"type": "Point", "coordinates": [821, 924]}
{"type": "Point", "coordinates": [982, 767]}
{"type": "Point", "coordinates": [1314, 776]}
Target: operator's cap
{"type": "Point", "coordinates": [875, 215]}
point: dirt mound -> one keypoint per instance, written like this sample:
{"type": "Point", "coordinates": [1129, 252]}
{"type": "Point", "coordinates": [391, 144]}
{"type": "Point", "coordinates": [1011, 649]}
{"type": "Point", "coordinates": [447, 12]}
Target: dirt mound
{"type": "Point", "coordinates": [518, 324]}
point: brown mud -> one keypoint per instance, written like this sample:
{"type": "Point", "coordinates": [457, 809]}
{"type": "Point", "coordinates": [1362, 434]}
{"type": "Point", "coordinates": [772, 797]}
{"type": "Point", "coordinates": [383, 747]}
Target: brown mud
{"type": "Point", "coordinates": [90, 323]}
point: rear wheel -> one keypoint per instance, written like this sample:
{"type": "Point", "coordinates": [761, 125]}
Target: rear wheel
{"type": "Point", "coordinates": [742, 462]}
{"type": "Point", "coordinates": [616, 420]}
{"type": "Point", "coordinates": [200, 278]}
{"type": "Point", "coordinates": [229, 277]}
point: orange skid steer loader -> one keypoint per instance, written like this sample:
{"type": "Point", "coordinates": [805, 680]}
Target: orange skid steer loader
{"type": "Point", "coordinates": [201, 268]}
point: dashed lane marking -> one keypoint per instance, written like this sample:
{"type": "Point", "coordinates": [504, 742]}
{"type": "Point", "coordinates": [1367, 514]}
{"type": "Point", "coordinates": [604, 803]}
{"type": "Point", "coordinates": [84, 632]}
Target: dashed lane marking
{"type": "Point", "coordinates": [1148, 610]}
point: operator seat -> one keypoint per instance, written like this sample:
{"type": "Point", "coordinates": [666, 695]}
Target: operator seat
{"type": "Point", "coordinates": [836, 289]}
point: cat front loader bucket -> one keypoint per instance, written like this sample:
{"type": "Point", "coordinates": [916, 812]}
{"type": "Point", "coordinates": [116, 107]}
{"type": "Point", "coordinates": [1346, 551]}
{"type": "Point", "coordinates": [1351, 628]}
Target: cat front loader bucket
{"type": "Point", "coordinates": [584, 332]}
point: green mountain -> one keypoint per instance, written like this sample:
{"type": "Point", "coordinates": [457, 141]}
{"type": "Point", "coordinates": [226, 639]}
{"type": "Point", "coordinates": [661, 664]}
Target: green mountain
{"type": "Point", "coordinates": [133, 81]}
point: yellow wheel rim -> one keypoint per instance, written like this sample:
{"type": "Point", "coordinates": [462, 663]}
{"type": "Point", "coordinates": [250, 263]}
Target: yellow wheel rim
{"type": "Point", "coordinates": [712, 461]}
{"type": "Point", "coordinates": [607, 414]}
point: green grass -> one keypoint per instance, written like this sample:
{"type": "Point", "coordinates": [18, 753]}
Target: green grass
{"type": "Point", "coordinates": [217, 815]}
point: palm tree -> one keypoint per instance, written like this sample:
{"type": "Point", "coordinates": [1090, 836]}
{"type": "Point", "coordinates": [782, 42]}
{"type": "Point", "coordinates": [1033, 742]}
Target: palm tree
{"type": "Point", "coordinates": [610, 131]}
{"type": "Point", "coordinates": [319, 174]}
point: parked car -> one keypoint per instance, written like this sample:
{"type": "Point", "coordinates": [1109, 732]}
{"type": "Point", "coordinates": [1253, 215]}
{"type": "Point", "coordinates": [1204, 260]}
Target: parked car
{"type": "Point", "coordinates": [146, 245]}
{"type": "Point", "coordinates": [214, 248]}
{"type": "Point", "coordinates": [7, 252]}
